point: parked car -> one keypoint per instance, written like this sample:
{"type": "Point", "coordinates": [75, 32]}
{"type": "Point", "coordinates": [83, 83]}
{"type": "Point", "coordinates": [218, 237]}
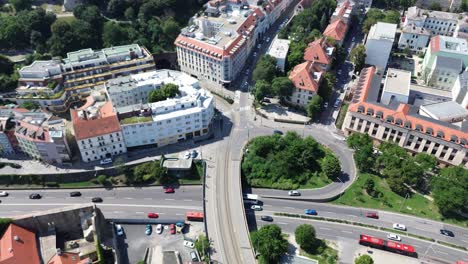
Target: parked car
{"type": "Point", "coordinates": [256, 207]}
{"type": "Point", "coordinates": [148, 229]}
{"type": "Point", "coordinates": [394, 237]}
{"type": "Point", "coordinates": [371, 215]}
{"type": "Point", "coordinates": [153, 215]}
{"type": "Point", "coordinates": [169, 190]}
{"type": "Point", "coordinates": [325, 105]}
{"type": "Point", "coordinates": [119, 230]}
{"type": "Point", "coordinates": [189, 244]}
{"type": "Point", "coordinates": [96, 200]}
{"type": "Point", "coordinates": [194, 256]}
{"type": "Point", "coordinates": [194, 154]}
{"type": "Point", "coordinates": [279, 132]}
{"type": "Point", "coordinates": [35, 196]}
{"type": "Point", "coordinates": [268, 39]}
{"type": "Point", "coordinates": [399, 227]}
{"type": "Point", "coordinates": [75, 194]}
{"type": "Point", "coordinates": [310, 212]}
{"type": "Point", "coordinates": [337, 103]}
{"type": "Point", "coordinates": [3, 194]}
{"type": "Point", "coordinates": [294, 193]}
{"type": "Point", "coordinates": [267, 218]}
{"type": "Point", "coordinates": [255, 54]}
{"type": "Point", "coordinates": [172, 229]}
{"type": "Point", "coordinates": [159, 229]}
{"type": "Point", "coordinates": [106, 161]}
{"type": "Point", "coordinates": [446, 232]}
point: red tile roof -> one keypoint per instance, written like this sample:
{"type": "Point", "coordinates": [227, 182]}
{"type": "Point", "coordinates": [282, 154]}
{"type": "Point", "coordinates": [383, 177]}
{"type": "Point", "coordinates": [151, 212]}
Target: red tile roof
{"type": "Point", "coordinates": [402, 112]}
{"type": "Point", "coordinates": [342, 8]}
{"type": "Point", "coordinates": [316, 51]}
{"type": "Point", "coordinates": [302, 76]}
{"type": "Point", "coordinates": [336, 30]}
{"type": "Point", "coordinates": [68, 258]}
{"type": "Point", "coordinates": [18, 246]}
{"type": "Point", "coordinates": [106, 123]}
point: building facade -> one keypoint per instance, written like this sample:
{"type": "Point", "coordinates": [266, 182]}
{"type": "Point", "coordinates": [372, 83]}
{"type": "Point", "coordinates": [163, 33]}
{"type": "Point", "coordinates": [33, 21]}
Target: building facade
{"type": "Point", "coordinates": [460, 88]}
{"type": "Point", "coordinates": [379, 44]}
{"type": "Point", "coordinates": [215, 47]}
{"type": "Point", "coordinates": [401, 123]}
{"type": "Point", "coordinates": [306, 78]}
{"type": "Point", "coordinates": [279, 50]}
{"type": "Point", "coordinates": [97, 129]}
{"type": "Point", "coordinates": [414, 38]}
{"type": "Point", "coordinates": [320, 52]}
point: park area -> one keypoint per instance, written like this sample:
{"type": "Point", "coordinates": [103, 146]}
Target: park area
{"type": "Point", "coordinates": [288, 162]}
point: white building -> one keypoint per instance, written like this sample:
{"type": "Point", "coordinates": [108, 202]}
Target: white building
{"type": "Point", "coordinates": [344, 11]}
{"type": "Point", "coordinates": [134, 89]}
{"type": "Point", "coordinates": [215, 47]}
{"type": "Point", "coordinates": [415, 38]}
{"type": "Point", "coordinates": [396, 87]}
{"type": "Point", "coordinates": [450, 112]}
{"type": "Point", "coordinates": [436, 22]}
{"type": "Point", "coordinates": [379, 44]}
{"type": "Point", "coordinates": [444, 72]}
{"type": "Point", "coordinates": [459, 91]}
{"type": "Point", "coordinates": [279, 50]}
{"type": "Point", "coordinates": [97, 129]}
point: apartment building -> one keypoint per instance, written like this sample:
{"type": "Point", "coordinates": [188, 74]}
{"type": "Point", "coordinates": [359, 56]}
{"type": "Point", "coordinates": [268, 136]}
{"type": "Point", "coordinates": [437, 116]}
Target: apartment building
{"type": "Point", "coordinates": [379, 44]}
{"type": "Point", "coordinates": [421, 24]}
{"type": "Point", "coordinates": [279, 50]}
{"type": "Point", "coordinates": [403, 124]}
{"type": "Point", "coordinates": [8, 141]}
{"type": "Point", "coordinates": [215, 46]}
{"type": "Point", "coordinates": [460, 88]}
{"type": "Point", "coordinates": [320, 52]}
{"type": "Point", "coordinates": [336, 30]}
{"type": "Point", "coordinates": [135, 88]}
{"type": "Point", "coordinates": [42, 136]}
{"type": "Point", "coordinates": [19, 245]}
{"type": "Point", "coordinates": [306, 78]}
{"type": "Point", "coordinates": [55, 84]}
{"type": "Point", "coordinates": [445, 59]}
{"type": "Point", "coordinates": [344, 11]}
{"type": "Point", "coordinates": [97, 129]}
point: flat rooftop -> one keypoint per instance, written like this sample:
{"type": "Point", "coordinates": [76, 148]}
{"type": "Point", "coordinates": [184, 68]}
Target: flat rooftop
{"type": "Point", "coordinates": [452, 44]}
{"type": "Point", "coordinates": [279, 48]}
{"type": "Point", "coordinates": [445, 110]}
{"type": "Point", "coordinates": [382, 31]}
{"type": "Point", "coordinates": [397, 82]}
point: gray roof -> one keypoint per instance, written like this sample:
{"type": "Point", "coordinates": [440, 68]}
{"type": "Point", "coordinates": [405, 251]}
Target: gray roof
{"type": "Point", "coordinates": [454, 64]}
{"type": "Point", "coordinates": [445, 110]}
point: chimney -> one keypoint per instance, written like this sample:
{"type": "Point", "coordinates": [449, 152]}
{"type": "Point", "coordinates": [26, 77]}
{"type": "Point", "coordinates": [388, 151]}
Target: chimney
{"type": "Point", "coordinates": [85, 115]}
{"type": "Point", "coordinates": [16, 238]}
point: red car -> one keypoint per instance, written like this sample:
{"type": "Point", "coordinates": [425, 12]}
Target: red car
{"type": "Point", "coordinates": [153, 215]}
{"type": "Point", "coordinates": [169, 190]}
{"type": "Point", "coordinates": [372, 215]}
{"type": "Point", "coordinates": [172, 228]}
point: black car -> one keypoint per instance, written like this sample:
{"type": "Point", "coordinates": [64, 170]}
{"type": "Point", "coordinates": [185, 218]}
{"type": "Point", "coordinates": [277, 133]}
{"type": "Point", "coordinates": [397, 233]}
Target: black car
{"type": "Point", "coordinates": [96, 200]}
{"type": "Point", "coordinates": [279, 132]}
{"type": "Point", "coordinates": [75, 194]}
{"type": "Point", "coordinates": [446, 232]}
{"type": "Point", "coordinates": [267, 218]}
{"type": "Point", "coordinates": [35, 196]}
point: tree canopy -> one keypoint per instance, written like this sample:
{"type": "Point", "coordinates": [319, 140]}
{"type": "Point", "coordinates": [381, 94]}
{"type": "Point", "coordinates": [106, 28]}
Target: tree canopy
{"type": "Point", "coordinates": [265, 70]}
{"type": "Point", "coordinates": [376, 15]}
{"type": "Point", "coordinates": [282, 87]}
{"type": "Point", "coordinates": [364, 259]}
{"type": "Point", "coordinates": [269, 242]}
{"type": "Point", "coordinates": [168, 90]}
{"type": "Point", "coordinates": [305, 237]}
{"type": "Point", "coordinates": [314, 106]}
{"type": "Point", "coordinates": [450, 190]}
{"type": "Point", "coordinates": [358, 57]}
{"type": "Point", "coordinates": [331, 167]}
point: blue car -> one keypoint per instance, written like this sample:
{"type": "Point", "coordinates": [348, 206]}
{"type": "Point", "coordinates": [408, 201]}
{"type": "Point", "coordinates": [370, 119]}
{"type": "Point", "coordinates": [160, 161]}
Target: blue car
{"type": "Point", "coordinates": [310, 212]}
{"type": "Point", "coordinates": [148, 230]}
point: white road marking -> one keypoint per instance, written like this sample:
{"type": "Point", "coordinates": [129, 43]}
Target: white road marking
{"type": "Point", "coordinates": [169, 199]}
{"type": "Point", "coordinates": [324, 228]}
{"type": "Point", "coordinates": [187, 200]}
{"type": "Point", "coordinates": [147, 198]}
{"type": "Point", "coordinates": [288, 207]}
{"type": "Point", "coordinates": [266, 205]}
{"type": "Point", "coordinates": [109, 198]}
{"type": "Point", "coordinates": [441, 252]}
{"type": "Point", "coordinates": [348, 232]}
{"type": "Point", "coordinates": [129, 198]}
{"type": "Point", "coordinates": [139, 212]}
{"type": "Point", "coordinates": [118, 212]}
{"type": "Point", "coordinates": [465, 241]}
{"type": "Point", "coordinates": [282, 223]}
{"type": "Point", "coordinates": [179, 214]}
{"type": "Point", "coordinates": [352, 215]}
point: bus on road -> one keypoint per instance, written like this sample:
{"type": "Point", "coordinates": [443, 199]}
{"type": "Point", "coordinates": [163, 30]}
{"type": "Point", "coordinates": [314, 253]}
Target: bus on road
{"type": "Point", "coordinates": [194, 216]}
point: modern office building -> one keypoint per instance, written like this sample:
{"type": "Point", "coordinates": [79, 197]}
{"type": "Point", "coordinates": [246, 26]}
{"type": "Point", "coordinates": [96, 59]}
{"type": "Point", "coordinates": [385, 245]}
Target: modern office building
{"type": "Point", "coordinates": [97, 129]}
{"type": "Point", "coordinates": [379, 44]}
{"type": "Point", "coordinates": [42, 136]}
{"type": "Point", "coordinates": [55, 84]}
{"type": "Point", "coordinates": [404, 124]}
{"type": "Point", "coordinates": [306, 78]}
{"type": "Point", "coordinates": [279, 50]}
{"type": "Point", "coordinates": [445, 59]}
{"type": "Point", "coordinates": [215, 47]}
{"type": "Point", "coordinates": [396, 86]}
{"type": "Point", "coordinates": [320, 52]}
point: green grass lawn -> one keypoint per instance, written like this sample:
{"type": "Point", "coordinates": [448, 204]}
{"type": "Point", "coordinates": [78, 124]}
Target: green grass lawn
{"type": "Point", "coordinates": [341, 115]}
{"type": "Point", "coordinates": [416, 205]}
{"type": "Point", "coordinates": [316, 182]}
{"type": "Point", "coordinates": [325, 254]}
{"type": "Point", "coordinates": [67, 19]}
{"type": "Point", "coordinates": [78, 184]}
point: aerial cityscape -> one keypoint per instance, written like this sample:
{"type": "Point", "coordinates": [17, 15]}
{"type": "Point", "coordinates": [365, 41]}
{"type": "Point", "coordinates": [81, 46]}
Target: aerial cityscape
{"type": "Point", "coordinates": [233, 131]}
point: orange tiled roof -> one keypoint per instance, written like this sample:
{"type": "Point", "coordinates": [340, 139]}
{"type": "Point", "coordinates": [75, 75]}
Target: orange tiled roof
{"type": "Point", "coordinates": [68, 258]}
{"type": "Point", "coordinates": [336, 30]}
{"type": "Point", "coordinates": [302, 76]}
{"type": "Point", "coordinates": [18, 245]}
{"type": "Point", "coordinates": [316, 51]}
{"type": "Point", "coordinates": [401, 114]}
{"type": "Point", "coordinates": [106, 123]}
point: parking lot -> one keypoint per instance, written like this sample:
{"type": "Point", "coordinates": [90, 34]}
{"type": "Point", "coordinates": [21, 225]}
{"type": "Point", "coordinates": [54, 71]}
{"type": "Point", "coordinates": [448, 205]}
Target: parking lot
{"type": "Point", "coordinates": [134, 244]}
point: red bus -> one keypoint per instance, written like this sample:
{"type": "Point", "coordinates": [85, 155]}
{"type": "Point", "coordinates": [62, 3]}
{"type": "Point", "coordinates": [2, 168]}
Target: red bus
{"type": "Point", "coordinates": [387, 245]}
{"type": "Point", "coordinates": [194, 216]}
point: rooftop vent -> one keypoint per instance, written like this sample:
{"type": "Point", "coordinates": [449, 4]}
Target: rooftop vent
{"type": "Point", "coordinates": [16, 238]}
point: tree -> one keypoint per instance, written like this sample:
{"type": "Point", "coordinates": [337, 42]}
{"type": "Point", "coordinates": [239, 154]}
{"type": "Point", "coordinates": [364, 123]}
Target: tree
{"type": "Point", "coordinates": [450, 190]}
{"type": "Point", "coordinates": [464, 6]}
{"type": "Point", "coordinates": [114, 34]}
{"type": "Point", "coordinates": [358, 140]}
{"type": "Point", "coordinates": [305, 237]}
{"type": "Point", "coordinates": [358, 57]}
{"type": "Point", "coordinates": [21, 4]}
{"type": "Point", "coordinates": [412, 173]}
{"type": "Point", "coordinates": [314, 106]}
{"type": "Point", "coordinates": [88, 13]}
{"type": "Point", "coordinates": [265, 69]}
{"type": "Point", "coordinates": [396, 182]}
{"type": "Point", "coordinates": [6, 65]}
{"type": "Point", "coordinates": [116, 8]}
{"type": "Point", "coordinates": [331, 167]}
{"type": "Point", "coordinates": [29, 105]}
{"type": "Point", "coordinates": [426, 161]}
{"type": "Point", "coordinates": [435, 6]}
{"type": "Point", "coordinates": [130, 13]}
{"type": "Point", "coordinates": [203, 246]}
{"type": "Point", "coordinates": [269, 242]}
{"type": "Point", "coordinates": [323, 22]}
{"type": "Point", "coordinates": [101, 179]}
{"type": "Point", "coordinates": [261, 90]}
{"type": "Point", "coordinates": [282, 87]}
{"type": "Point", "coordinates": [364, 259]}
{"type": "Point", "coordinates": [168, 90]}
{"type": "Point", "coordinates": [327, 85]}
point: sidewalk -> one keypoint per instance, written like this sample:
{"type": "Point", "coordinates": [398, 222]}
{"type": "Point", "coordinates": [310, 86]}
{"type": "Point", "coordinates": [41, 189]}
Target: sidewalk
{"type": "Point", "coordinates": [280, 113]}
